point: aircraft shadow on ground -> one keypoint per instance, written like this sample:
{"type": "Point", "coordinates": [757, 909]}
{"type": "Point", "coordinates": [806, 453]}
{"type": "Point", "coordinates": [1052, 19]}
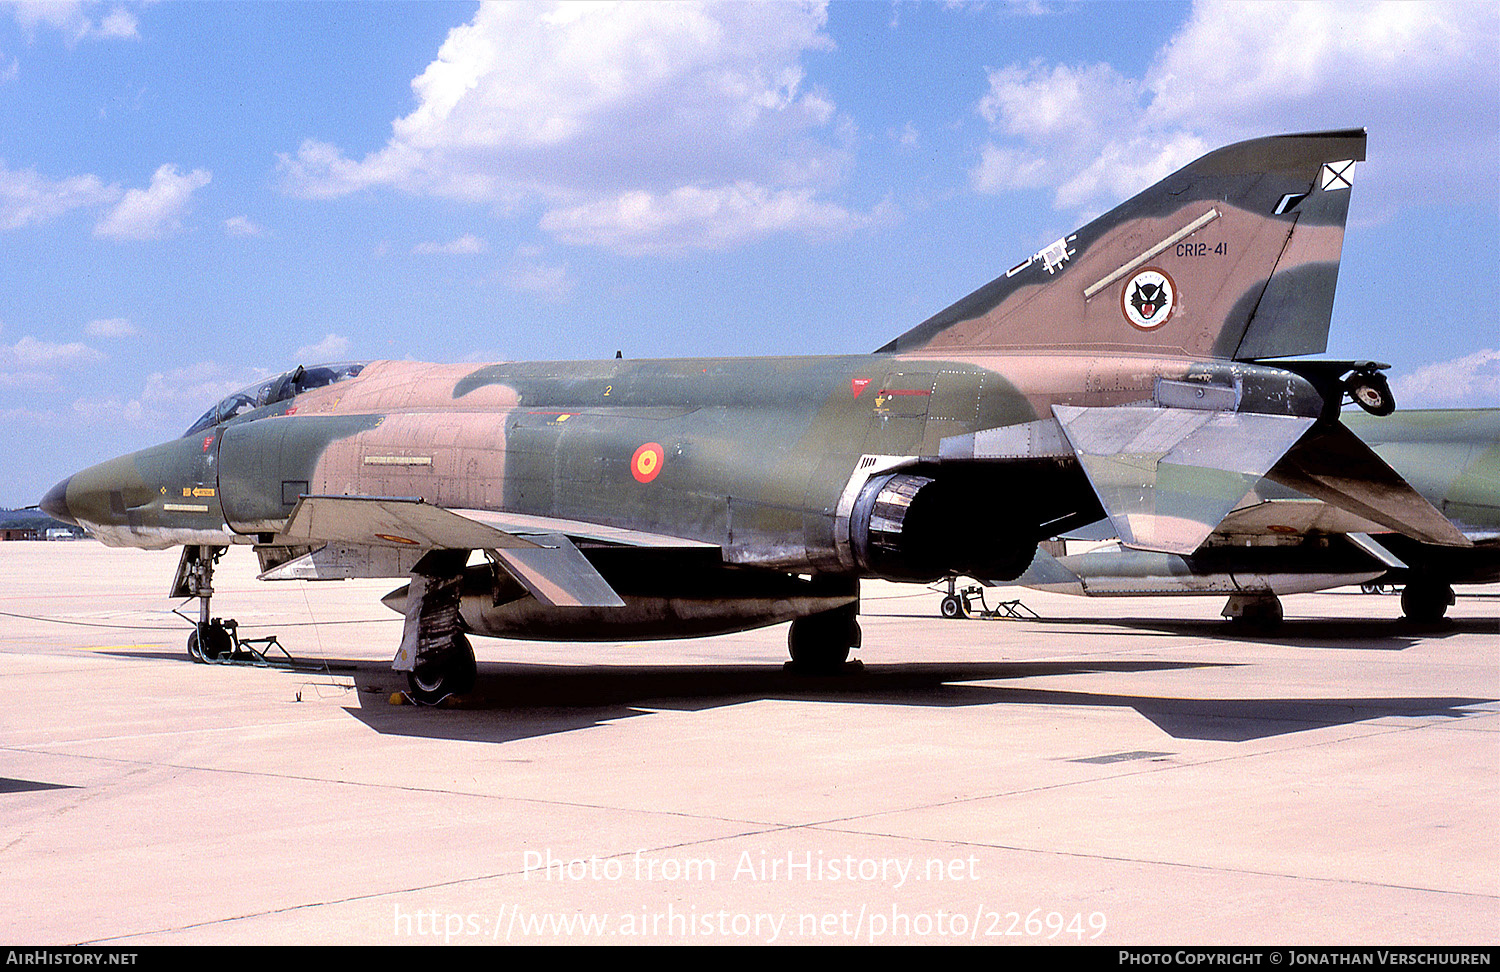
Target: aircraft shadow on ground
{"type": "Point", "coordinates": [521, 701]}
{"type": "Point", "coordinates": [11, 785]}
{"type": "Point", "coordinates": [1337, 633]}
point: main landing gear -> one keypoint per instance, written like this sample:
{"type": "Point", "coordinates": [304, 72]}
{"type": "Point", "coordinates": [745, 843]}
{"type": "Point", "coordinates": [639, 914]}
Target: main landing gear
{"type": "Point", "coordinates": [1426, 601]}
{"type": "Point", "coordinates": [435, 679]}
{"type": "Point", "coordinates": [820, 643]}
{"type": "Point", "coordinates": [435, 653]}
{"type": "Point", "coordinates": [1254, 612]}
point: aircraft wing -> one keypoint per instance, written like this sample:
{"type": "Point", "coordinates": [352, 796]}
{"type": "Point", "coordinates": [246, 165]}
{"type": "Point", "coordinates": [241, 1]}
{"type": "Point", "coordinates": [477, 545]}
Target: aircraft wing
{"type": "Point", "coordinates": [387, 521]}
{"type": "Point", "coordinates": [527, 524]}
{"type": "Point", "coordinates": [537, 551]}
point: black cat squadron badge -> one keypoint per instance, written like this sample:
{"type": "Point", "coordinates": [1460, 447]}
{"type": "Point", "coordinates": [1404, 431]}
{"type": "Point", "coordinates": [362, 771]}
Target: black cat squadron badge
{"type": "Point", "coordinates": [1148, 299]}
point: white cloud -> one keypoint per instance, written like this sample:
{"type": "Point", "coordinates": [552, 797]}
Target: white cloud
{"type": "Point", "coordinates": [27, 198]}
{"type": "Point", "coordinates": [170, 400]}
{"type": "Point", "coordinates": [584, 110]}
{"type": "Point", "coordinates": [118, 23]}
{"type": "Point", "coordinates": [29, 352]}
{"type": "Point", "coordinates": [528, 274]}
{"type": "Point", "coordinates": [1239, 70]}
{"type": "Point", "coordinates": [112, 327]}
{"type": "Point", "coordinates": [108, 411]}
{"type": "Point", "coordinates": [1473, 380]}
{"type": "Point", "coordinates": [30, 417]}
{"type": "Point", "coordinates": [154, 212]}
{"type": "Point", "coordinates": [1001, 169]}
{"type": "Point", "coordinates": [243, 226]}
{"type": "Point", "coordinates": [466, 244]}
{"type": "Point", "coordinates": [74, 20]}
{"type": "Point", "coordinates": [1064, 102]}
{"type": "Point", "coordinates": [328, 349]}
{"type": "Point", "coordinates": [693, 217]}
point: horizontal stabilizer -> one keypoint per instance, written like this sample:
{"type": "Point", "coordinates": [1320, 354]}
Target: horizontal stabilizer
{"type": "Point", "coordinates": [1168, 476]}
{"type": "Point", "coordinates": [1333, 465]}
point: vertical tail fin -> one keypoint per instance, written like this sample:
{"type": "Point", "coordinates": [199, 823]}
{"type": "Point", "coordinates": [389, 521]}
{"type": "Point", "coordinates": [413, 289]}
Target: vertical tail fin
{"type": "Point", "coordinates": [1234, 256]}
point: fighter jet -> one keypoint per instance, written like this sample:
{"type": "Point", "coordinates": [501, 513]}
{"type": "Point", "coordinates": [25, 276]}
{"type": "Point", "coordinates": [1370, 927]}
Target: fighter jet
{"type": "Point", "coordinates": [1278, 541]}
{"type": "Point", "coordinates": [1120, 371]}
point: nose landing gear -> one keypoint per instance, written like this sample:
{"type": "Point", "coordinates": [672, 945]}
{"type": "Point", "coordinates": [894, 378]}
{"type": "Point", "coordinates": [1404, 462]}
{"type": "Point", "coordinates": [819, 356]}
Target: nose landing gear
{"type": "Point", "coordinates": [216, 640]}
{"type": "Point", "coordinates": [210, 639]}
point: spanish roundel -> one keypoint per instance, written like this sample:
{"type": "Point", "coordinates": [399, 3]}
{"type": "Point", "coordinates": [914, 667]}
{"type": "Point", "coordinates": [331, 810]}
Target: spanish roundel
{"type": "Point", "coordinates": [646, 462]}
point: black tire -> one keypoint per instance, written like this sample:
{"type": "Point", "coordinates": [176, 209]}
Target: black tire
{"type": "Point", "coordinates": [1261, 615]}
{"type": "Point", "coordinates": [820, 643]}
{"type": "Point", "coordinates": [953, 608]}
{"type": "Point", "coordinates": [1426, 603]}
{"type": "Point", "coordinates": [215, 645]}
{"type": "Point", "coordinates": [1372, 393]}
{"type": "Point", "coordinates": [434, 681]}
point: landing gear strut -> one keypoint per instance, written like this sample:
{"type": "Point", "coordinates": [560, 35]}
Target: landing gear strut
{"type": "Point", "coordinates": [820, 643]}
{"type": "Point", "coordinates": [210, 639]}
{"type": "Point", "coordinates": [955, 603]}
{"type": "Point", "coordinates": [435, 654]}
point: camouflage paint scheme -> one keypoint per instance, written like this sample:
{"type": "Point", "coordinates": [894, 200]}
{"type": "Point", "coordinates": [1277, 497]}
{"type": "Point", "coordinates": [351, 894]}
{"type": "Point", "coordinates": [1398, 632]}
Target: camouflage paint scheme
{"type": "Point", "coordinates": [1115, 372]}
{"type": "Point", "coordinates": [1280, 542]}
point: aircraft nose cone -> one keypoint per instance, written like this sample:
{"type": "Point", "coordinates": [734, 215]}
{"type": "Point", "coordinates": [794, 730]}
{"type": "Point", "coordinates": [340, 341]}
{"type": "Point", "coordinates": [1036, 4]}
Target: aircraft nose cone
{"type": "Point", "coordinates": [55, 503]}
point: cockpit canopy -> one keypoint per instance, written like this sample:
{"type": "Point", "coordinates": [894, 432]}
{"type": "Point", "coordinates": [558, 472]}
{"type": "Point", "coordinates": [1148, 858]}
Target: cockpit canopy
{"type": "Point", "coordinates": [273, 390]}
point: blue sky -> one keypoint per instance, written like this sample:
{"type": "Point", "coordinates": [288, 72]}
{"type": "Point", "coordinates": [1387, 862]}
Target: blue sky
{"type": "Point", "coordinates": [196, 195]}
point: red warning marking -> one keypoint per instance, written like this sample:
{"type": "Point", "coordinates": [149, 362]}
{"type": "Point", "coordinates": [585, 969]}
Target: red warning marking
{"type": "Point", "coordinates": [646, 462]}
{"type": "Point", "coordinates": [857, 385]}
{"type": "Point", "coordinates": [208, 440]}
